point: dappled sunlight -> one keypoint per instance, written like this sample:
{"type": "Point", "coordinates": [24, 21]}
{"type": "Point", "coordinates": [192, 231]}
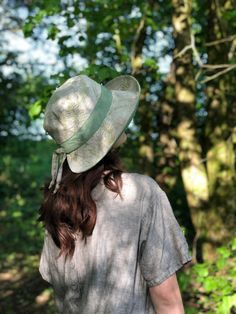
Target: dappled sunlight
{"type": "Point", "coordinates": [44, 297]}
{"type": "Point", "coordinates": [146, 151]}
{"type": "Point", "coordinates": [221, 164]}
{"type": "Point", "coordinates": [23, 288]}
{"type": "Point", "coordinates": [12, 275]}
{"type": "Point", "coordinates": [195, 184]}
{"type": "Point", "coordinates": [185, 95]}
{"type": "Point", "coordinates": [193, 171]}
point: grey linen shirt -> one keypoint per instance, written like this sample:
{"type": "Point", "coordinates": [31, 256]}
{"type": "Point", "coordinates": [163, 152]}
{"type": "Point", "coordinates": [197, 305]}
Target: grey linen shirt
{"type": "Point", "coordinates": [137, 243]}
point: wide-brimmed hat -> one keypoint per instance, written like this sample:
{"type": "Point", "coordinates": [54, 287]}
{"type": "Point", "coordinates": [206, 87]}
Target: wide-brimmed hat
{"type": "Point", "coordinates": [86, 118]}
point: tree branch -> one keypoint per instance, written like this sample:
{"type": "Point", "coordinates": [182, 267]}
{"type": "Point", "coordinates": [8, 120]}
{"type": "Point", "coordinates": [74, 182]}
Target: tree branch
{"type": "Point", "coordinates": [219, 41]}
{"type": "Point", "coordinates": [212, 77]}
{"type": "Point", "coordinates": [182, 52]}
{"type": "Point", "coordinates": [202, 66]}
{"type": "Point", "coordinates": [216, 66]}
{"type": "Point", "coordinates": [137, 45]}
{"type": "Point", "coordinates": [195, 51]}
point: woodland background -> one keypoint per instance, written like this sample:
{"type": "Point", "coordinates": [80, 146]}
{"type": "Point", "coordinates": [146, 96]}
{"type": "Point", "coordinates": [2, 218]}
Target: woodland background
{"type": "Point", "coordinates": [183, 52]}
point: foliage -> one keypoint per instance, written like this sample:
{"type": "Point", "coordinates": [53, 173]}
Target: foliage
{"type": "Point", "coordinates": [212, 285]}
{"type": "Point", "coordinates": [23, 87]}
{"type": "Point", "coordinates": [24, 167]}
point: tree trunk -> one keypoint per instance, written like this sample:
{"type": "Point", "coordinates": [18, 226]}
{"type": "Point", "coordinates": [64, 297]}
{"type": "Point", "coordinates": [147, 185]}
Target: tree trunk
{"type": "Point", "coordinates": [166, 157]}
{"type": "Point", "coordinates": [189, 150]}
{"type": "Point", "coordinates": [219, 129]}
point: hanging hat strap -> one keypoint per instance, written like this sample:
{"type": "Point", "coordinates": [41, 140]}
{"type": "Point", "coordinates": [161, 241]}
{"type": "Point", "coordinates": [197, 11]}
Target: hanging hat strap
{"type": "Point", "coordinates": [53, 169]}
{"type": "Point", "coordinates": [58, 159]}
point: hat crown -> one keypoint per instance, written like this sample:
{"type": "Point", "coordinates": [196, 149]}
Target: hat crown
{"type": "Point", "coordinates": [70, 106]}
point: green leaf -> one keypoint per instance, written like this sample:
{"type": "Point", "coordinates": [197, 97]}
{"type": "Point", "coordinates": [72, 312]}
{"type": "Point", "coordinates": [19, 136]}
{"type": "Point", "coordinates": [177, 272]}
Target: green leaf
{"type": "Point", "coordinates": [152, 63]}
{"type": "Point", "coordinates": [210, 283]}
{"type": "Point", "coordinates": [70, 22]}
{"type": "Point", "coordinates": [52, 31]}
{"type": "Point", "coordinates": [100, 73]}
{"type": "Point", "coordinates": [201, 270]}
{"type": "Point", "coordinates": [221, 263]}
{"type": "Point", "coordinates": [232, 273]}
{"type": "Point", "coordinates": [39, 16]}
{"type": "Point", "coordinates": [233, 244]}
{"type": "Point", "coordinates": [183, 280]}
{"type": "Point", "coordinates": [28, 28]}
{"type": "Point", "coordinates": [230, 15]}
{"type": "Point", "coordinates": [224, 251]}
{"type": "Point", "coordinates": [35, 109]}
{"type": "Point", "coordinates": [226, 305]}
{"type": "Point", "coordinates": [32, 22]}
{"type": "Point", "coordinates": [191, 310]}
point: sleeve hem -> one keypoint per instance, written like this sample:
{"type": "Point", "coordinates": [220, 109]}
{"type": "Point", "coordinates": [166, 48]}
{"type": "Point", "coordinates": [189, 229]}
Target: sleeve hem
{"type": "Point", "coordinates": [174, 268]}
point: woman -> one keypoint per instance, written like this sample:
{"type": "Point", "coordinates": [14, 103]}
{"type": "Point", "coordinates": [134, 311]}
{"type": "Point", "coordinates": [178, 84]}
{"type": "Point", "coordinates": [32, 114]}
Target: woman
{"type": "Point", "coordinates": [112, 243]}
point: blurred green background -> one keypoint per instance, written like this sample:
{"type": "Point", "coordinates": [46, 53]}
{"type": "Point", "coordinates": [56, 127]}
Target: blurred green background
{"type": "Point", "coordinates": [184, 134]}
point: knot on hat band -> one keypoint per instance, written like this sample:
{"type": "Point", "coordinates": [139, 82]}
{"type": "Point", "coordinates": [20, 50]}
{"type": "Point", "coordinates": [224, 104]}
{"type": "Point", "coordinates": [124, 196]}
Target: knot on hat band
{"type": "Point", "coordinates": [90, 126]}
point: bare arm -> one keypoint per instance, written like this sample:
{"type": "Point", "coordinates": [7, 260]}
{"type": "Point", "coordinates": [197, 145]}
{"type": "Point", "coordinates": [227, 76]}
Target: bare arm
{"type": "Point", "coordinates": [166, 297]}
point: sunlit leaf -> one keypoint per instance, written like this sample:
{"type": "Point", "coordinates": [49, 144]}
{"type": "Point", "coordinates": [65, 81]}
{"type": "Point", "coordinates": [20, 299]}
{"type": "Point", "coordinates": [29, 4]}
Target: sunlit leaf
{"type": "Point", "coordinates": [35, 109]}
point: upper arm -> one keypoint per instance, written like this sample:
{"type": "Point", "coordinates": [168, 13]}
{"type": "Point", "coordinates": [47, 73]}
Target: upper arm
{"type": "Point", "coordinates": [166, 293]}
{"type": "Point", "coordinates": [166, 290]}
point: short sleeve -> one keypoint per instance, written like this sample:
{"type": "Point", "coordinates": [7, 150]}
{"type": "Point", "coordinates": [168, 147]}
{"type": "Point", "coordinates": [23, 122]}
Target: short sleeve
{"type": "Point", "coordinates": [164, 248]}
{"type": "Point", "coordinates": [44, 259]}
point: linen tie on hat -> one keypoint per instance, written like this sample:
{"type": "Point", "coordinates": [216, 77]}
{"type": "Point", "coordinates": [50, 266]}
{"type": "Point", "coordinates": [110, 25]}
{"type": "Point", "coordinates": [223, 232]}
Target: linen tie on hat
{"type": "Point", "coordinates": [58, 158]}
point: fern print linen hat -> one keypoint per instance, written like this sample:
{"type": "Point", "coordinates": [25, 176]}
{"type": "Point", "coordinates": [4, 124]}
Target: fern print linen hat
{"type": "Point", "coordinates": [86, 118]}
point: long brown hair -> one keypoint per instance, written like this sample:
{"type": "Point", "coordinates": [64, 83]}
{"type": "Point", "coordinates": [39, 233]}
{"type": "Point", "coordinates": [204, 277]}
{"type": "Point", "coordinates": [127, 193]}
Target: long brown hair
{"type": "Point", "coordinates": [72, 209]}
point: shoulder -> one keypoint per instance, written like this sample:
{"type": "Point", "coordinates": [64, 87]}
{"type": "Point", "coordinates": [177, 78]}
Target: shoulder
{"type": "Point", "coordinates": [146, 185]}
{"type": "Point", "coordinates": [149, 192]}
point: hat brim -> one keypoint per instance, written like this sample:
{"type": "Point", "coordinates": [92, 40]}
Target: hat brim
{"type": "Point", "coordinates": [125, 91]}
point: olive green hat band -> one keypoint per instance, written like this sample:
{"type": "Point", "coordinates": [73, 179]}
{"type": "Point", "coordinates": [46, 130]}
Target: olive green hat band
{"type": "Point", "coordinates": [92, 124]}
